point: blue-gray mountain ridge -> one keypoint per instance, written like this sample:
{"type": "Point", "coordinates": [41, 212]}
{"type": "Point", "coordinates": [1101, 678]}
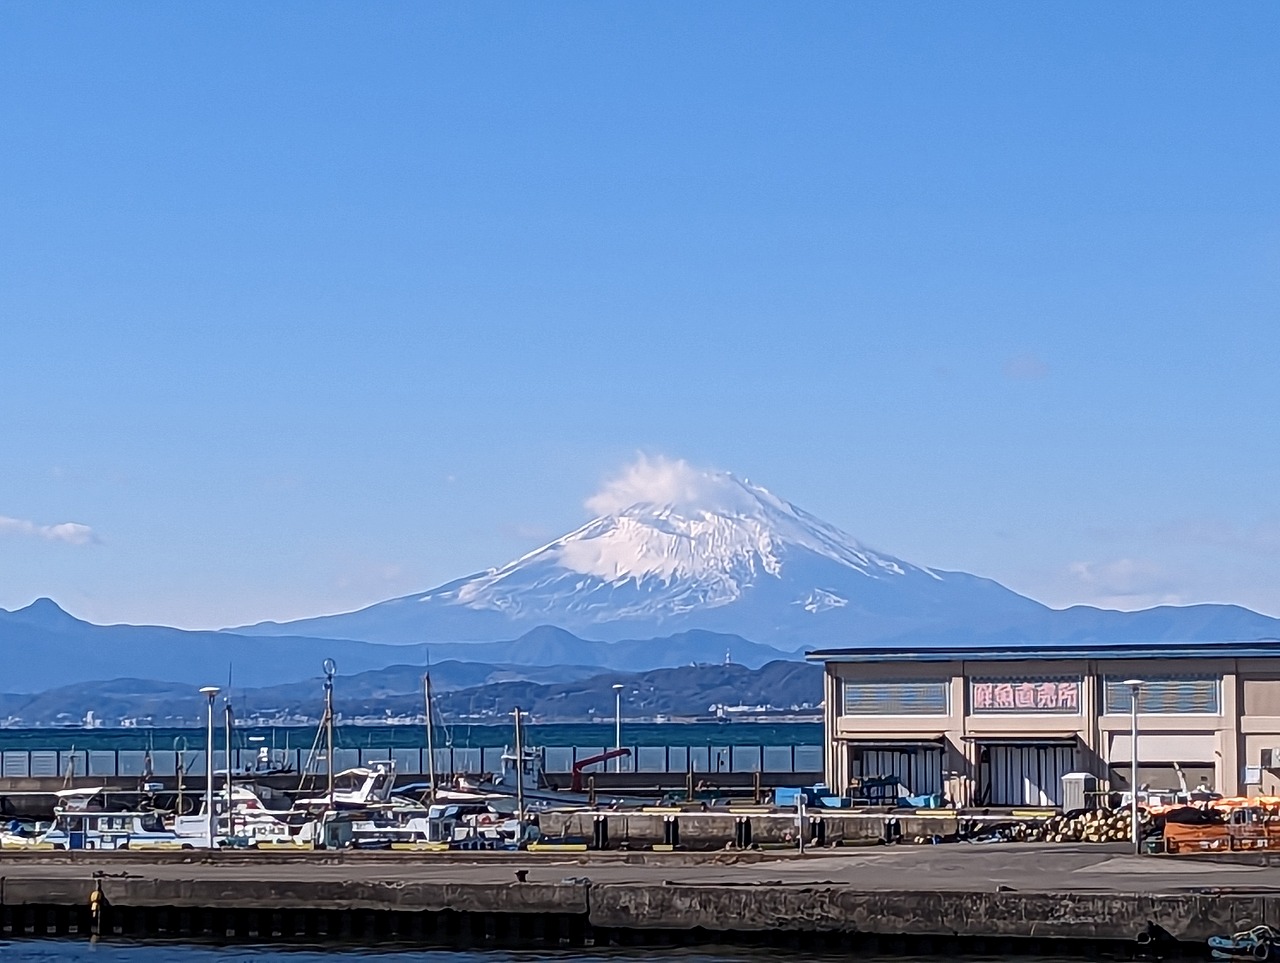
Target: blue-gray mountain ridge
{"type": "Point", "coordinates": [43, 647]}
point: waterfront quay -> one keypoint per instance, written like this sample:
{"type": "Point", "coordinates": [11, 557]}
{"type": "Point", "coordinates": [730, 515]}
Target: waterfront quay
{"type": "Point", "coordinates": [1014, 898]}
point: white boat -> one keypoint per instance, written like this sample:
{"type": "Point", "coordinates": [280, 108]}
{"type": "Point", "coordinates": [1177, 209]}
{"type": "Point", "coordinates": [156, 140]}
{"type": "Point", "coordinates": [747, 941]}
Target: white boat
{"type": "Point", "coordinates": [404, 824]}
{"type": "Point", "coordinates": [81, 821]}
{"type": "Point", "coordinates": [249, 823]}
{"type": "Point", "coordinates": [356, 788]}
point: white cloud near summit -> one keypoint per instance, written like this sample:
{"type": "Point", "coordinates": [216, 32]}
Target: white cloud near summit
{"type": "Point", "coordinates": [72, 533]}
{"type": "Point", "coordinates": [657, 480]}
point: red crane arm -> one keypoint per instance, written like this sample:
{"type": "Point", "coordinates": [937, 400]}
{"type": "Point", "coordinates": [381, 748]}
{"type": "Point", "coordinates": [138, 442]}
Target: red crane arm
{"type": "Point", "coordinates": [582, 764]}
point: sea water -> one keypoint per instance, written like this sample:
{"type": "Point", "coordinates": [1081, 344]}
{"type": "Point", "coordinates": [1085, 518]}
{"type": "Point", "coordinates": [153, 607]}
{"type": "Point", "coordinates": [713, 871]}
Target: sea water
{"type": "Point", "coordinates": [81, 951]}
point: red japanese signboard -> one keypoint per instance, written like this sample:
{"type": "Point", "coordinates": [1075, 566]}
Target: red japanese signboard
{"type": "Point", "coordinates": [1027, 695]}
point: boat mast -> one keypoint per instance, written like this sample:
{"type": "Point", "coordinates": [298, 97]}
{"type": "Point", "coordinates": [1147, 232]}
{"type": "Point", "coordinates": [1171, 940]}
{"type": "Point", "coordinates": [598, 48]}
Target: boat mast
{"type": "Point", "coordinates": [431, 743]}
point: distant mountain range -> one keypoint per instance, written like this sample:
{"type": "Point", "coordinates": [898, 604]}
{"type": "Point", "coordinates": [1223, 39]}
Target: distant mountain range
{"type": "Point", "coordinates": [463, 692]}
{"type": "Point", "coordinates": [733, 558]}
{"type": "Point", "coordinates": [45, 648]}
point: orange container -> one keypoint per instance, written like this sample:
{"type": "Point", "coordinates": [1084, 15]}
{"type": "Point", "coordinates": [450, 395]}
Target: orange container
{"type": "Point", "coordinates": [1181, 838]}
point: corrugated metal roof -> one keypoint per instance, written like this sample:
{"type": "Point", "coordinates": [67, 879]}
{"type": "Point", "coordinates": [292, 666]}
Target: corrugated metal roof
{"type": "Point", "coordinates": [1255, 649]}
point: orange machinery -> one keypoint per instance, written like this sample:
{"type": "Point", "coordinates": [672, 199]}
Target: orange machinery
{"type": "Point", "coordinates": [1250, 824]}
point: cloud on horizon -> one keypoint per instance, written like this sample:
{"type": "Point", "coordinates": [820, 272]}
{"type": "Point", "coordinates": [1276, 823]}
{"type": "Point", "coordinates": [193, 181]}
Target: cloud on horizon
{"type": "Point", "coordinates": [70, 533]}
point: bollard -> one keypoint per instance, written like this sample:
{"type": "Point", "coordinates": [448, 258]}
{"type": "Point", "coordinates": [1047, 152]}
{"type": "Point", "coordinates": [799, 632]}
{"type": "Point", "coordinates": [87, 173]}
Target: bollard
{"type": "Point", "coordinates": [96, 904]}
{"type": "Point", "coordinates": [818, 830]}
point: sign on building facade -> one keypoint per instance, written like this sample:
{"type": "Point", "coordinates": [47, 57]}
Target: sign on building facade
{"type": "Point", "coordinates": [1025, 695]}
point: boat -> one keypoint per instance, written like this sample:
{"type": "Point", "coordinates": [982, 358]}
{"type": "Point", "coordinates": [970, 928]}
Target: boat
{"type": "Point", "coordinates": [406, 825]}
{"type": "Point", "coordinates": [82, 821]}
{"type": "Point", "coordinates": [356, 788]}
{"type": "Point", "coordinates": [1259, 943]}
{"type": "Point", "coordinates": [250, 823]}
{"type": "Point", "coordinates": [18, 834]}
{"type": "Point", "coordinates": [268, 762]}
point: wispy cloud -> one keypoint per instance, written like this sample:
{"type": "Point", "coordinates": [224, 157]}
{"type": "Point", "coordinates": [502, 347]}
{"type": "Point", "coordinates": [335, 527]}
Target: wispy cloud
{"type": "Point", "coordinates": [72, 533]}
{"type": "Point", "coordinates": [1125, 583]}
{"type": "Point", "coordinates": [655, 480]}
{"type": "Point", "coordinates": [1026, 367]}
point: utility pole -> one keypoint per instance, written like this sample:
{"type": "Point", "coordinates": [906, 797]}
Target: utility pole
{"type": "Point", "coordinates": [1135, 689]}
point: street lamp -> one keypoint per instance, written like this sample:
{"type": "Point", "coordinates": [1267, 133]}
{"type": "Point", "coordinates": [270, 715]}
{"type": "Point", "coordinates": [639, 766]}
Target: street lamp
{"type": "Point", "coordinates": [1135, 688]}
{"type": "Point", "coordinates": [617, 724]}
{"type": "Point", "coordinates": [210, 692]}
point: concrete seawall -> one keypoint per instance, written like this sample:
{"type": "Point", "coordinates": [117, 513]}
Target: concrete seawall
{"type": "Point", "coordinates": [1009, 895]}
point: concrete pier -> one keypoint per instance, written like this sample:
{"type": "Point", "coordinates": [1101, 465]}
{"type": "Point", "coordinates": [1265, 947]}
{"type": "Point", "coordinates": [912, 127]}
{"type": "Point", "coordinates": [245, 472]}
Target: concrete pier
{"type": "Point", "coordinates": [995, 896]}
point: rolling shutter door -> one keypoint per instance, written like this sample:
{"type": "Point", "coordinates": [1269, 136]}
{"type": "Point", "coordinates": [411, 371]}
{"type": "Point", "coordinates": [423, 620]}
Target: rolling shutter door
{"type": "Point", "coordinates": [1028, 775]}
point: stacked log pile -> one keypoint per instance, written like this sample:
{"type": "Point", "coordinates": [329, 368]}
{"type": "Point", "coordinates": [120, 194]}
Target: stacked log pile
{"type": "Point", "coordinates": [1087, 826]}
{"type": "Point", "coordinates": [1094, 826]}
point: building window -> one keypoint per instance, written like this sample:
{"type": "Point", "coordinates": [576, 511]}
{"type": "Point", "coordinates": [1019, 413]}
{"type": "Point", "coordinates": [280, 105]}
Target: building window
{"type": "Point", "coordinates": [1059, 695]}
{"type": "Point", "coordinates": [1164, 695]}
{"type": "Point", "coordinates": [897, 698]}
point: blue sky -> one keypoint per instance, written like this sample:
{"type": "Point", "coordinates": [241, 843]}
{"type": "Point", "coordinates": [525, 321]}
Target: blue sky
{"type": "Point", "coordinates": [309, 305]}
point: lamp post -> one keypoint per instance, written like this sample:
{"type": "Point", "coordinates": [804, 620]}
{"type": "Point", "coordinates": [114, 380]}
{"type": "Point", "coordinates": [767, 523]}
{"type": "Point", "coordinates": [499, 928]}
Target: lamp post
{"type": "Point", "coordinates": [1135, 689]}
{"type": "Point", "coordinates": [519, 775]}
{"type": "Point", "coordinates": [617, 724]}
{"type": "Point", "coordinates": [330, 670]}
{"type": "Point", "coordinates": [211, 693]}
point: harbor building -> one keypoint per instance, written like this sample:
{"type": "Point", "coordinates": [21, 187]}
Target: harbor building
{"type": "Point", "coordinates": [1001, 726]}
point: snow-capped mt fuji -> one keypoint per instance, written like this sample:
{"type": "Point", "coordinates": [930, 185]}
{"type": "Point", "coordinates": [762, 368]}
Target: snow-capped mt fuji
{"type": "Point", "coordinates": [661, 561]}
{"type": "Point", "coordinates": [677, 550]}
{"type": "Point", "coordinates": [716, 553]}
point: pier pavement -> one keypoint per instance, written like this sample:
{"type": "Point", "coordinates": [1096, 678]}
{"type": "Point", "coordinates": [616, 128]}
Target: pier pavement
{"type": "Point", "coordinates": [1058, 892]}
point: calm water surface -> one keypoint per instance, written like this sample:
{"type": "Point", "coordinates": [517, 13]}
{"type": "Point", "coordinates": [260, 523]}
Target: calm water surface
{"type": "Point", "coordinates": [66, 951]}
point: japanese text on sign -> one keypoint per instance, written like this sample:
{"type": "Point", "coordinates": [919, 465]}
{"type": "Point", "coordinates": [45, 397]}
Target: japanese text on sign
{"type": "Point", "coordinates": [1026, 696]}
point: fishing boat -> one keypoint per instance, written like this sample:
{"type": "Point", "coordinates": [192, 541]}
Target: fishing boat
{"type": "Point", "coordinates": [268, 762]}
{"type": "Point", "coordinates": [81, 820]}
{"type": "Point", "coordinates": [469, 825]}
{"type": "Point", "coordinates": [246, 822]}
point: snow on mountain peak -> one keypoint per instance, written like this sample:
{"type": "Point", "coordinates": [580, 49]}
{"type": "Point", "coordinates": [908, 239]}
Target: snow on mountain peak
{"type": "Point", "coordinates": [677, 538]}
